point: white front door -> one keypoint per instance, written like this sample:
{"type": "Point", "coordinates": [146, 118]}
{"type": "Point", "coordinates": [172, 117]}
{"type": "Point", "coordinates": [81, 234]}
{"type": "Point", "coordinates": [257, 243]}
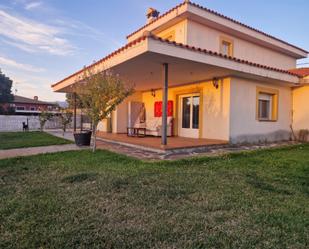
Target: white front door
{"type": "Point", "coordinates": [188, 122]}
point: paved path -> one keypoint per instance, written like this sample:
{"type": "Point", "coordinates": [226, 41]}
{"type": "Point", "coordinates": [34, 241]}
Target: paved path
{"type": "Point", "coordinates": [37, 150]}
{"type": "Point", "coordinates": [68, 135]}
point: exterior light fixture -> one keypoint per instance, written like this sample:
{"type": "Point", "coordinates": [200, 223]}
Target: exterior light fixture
{"type": "Point", "coordinates": [215, 82]}
{"type": "Point", "coordinates": [153, 93]}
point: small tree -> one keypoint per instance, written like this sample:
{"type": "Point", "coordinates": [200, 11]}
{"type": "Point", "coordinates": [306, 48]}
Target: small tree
{"type": "Point", "coordinates": [44, 117]}
{"type": "Point", "coordinates": [100, 94]}
{"type": "Point", "coordinates": [66, 119]}
{"type": "Point", "coordinates": [6, 95]}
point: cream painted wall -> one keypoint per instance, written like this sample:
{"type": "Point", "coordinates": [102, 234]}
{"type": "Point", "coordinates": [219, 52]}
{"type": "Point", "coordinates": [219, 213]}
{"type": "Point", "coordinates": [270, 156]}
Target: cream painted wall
{"type": "Point", "coordinates": [229, 112]}
{"type": "Point", "coordinates": [215, 106]}
{"type": "Point", "coordinates": [301, 108]}
{"type": "Point", "coordinates": [243, 124]}
{"type": "Point", "coordinates": [205, 37]}
{"type": "Point", "coordinates": [102, 126]}
{"type": "Point", "coordinates": [217, 110]}
{"type": "Point", "coordinates": [180, 30]}
{"type": "Point", "coordinates": [120, 115]}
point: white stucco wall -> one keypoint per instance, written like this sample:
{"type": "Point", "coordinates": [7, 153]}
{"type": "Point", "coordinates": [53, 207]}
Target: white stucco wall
{"type": "Point", "coordinates": [243, 124]}
{"type": "Point", "coordinates": [14, 122]}
{"type": "Point", "coordinates": [205, 37]}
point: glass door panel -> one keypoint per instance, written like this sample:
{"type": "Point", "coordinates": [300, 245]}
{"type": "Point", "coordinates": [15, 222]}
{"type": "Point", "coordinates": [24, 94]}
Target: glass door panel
{"type": "Point", "coordinates": [195, 110]}
{"type": "Point", "coordinates": [186, 112]}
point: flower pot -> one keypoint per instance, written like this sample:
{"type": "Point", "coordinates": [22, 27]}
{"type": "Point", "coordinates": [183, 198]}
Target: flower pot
{"type": "Point", "coordinates": [83, 138]}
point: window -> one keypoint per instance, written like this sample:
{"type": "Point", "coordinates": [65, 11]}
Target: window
{"type": "Point", "coordinates": [267, 104]}
{"type": "Point", "coordinates": [20, 108]}
{"type": "Point", "coordinates": [226, 46]}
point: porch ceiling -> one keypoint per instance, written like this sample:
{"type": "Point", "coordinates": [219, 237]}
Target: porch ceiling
{"type": "Point", "coordinates": [141, 64]}
{"type": "Point", "coordinates": [145, 71]}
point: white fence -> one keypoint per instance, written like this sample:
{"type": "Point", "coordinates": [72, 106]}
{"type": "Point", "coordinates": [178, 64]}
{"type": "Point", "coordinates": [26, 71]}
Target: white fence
{"type": "Point", "coordinates": [14, 123]}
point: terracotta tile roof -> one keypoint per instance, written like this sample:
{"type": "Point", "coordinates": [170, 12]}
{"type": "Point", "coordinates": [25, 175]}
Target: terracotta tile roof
{"type": "Point", "coordinates": [217, 14]}
{"type": "Point", "coordinates": [24, 100]}
{"type": "Point", "coordinates": [303, 72]}
{"type": "Point", "coordinates": [209, 52]}
{"type": "Point", "coordinates": [205, 51]}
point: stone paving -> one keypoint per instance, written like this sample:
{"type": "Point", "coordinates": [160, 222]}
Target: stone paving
{"type": "Point", "coordinates": [37, 150]}
{"type": "Point", "coordinates": [174, 154]}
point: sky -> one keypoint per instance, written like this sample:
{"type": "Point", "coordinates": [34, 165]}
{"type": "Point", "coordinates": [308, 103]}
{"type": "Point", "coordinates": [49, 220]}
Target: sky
{"type": "Point", "coordinates": [43, 41]}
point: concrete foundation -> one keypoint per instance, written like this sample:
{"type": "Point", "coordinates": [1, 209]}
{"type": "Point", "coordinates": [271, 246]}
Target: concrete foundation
{"type": "Point", "coordinates": [280, 135]}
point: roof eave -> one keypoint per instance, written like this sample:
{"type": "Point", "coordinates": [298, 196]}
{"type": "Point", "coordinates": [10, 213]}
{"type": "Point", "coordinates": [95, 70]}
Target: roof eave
{"type": "Point", "coordinates": [142, 45]}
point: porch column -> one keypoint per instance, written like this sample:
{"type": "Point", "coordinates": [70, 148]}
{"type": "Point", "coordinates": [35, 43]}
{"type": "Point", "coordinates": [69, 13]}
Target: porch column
{"type": "Point", "coordinates": [164, 104]}
{"type": "Point", "coordinates": [74, 119]}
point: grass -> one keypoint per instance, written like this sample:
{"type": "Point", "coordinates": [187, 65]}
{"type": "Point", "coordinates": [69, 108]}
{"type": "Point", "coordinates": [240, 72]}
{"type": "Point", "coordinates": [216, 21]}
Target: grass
{"type": "Point", "coordinates": [104, 200]}
{"type": "Point", "coordinates": [13, 140]}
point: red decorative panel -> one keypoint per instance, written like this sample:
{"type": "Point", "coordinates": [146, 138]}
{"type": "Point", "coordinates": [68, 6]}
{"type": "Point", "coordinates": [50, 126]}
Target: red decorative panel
{"type": "Point", "coordinates": [158, 109]}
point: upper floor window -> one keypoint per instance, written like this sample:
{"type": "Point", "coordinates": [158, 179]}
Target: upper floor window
{"type": "Point", "coordinates": [267, 104]}
{"type": "Point", "coordinates": [226, 46]}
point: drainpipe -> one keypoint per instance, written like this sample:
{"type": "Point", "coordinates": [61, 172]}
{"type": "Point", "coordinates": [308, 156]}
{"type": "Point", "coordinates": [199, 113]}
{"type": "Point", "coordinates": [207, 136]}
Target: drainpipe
{"type": "Point", "coordinates": [164, 105]}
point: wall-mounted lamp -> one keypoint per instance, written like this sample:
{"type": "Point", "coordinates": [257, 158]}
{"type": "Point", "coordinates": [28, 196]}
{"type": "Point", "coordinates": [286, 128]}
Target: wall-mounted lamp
{"type": "Point", "coordinates": [153, 93]}
{"type": "Point", "coordinates": [215, 82]}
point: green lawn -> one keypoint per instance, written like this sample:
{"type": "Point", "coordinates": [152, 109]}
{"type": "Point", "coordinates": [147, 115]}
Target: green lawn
{"type": "Point", "coordinates": [12, 140]}
{"type": "Point", "coordinates": [80, 200]}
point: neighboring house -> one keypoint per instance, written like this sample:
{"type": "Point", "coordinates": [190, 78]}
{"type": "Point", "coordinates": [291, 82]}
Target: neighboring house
{"type": "Point", "coordinates": [23, 105]}
{"type": "Point", "coordinates": [222, 79]}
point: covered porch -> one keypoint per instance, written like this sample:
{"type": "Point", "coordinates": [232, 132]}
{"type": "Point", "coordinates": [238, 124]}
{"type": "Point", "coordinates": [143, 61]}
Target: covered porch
{"type": "Point", "coordinates": [171, 71]}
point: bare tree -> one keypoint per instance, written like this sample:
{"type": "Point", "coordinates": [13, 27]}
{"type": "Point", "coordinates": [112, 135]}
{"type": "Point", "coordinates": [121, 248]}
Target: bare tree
{"type": "Point", "coordinates": [44, 117]}
{"type": "Point", "coordinates": [100, 93]}
{"type": "Point", "coordinates": [66, 119]}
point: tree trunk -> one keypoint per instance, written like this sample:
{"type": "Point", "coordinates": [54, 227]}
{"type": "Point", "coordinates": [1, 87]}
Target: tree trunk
{"type": "Point", "coordinates": [94, 132]}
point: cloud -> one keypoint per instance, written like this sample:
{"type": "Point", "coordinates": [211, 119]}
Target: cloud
{"type": "Point", "coordinates": [78, 28]}
{"type": "Point", "coordinates": [33, 5]}
{"type": "Point", "coordinates": [34, 36]}
{"type": "Point", "coordinates": [33, 85]}
{"type": "Point", "coordinates": [23, 47]}
{"type": "Point", "coordinates": [6, 62]}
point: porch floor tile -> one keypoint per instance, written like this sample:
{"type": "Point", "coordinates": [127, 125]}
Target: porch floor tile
{"type": "Point", "coordinates": [173, 143]}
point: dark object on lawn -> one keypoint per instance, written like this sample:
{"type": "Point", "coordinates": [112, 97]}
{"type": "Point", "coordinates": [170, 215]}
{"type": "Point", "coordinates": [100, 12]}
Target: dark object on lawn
{"type": "Point", "coordinates": [83, 138]}
{"type": "Point", "coordinates": [25, 126]}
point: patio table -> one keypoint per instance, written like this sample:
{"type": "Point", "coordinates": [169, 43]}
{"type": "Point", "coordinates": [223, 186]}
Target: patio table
{"type": "Point", "coordinates": [136, 132]}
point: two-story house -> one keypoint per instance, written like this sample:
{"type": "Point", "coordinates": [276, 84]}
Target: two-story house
{"type": "Point", "coordinates": [200, 74]}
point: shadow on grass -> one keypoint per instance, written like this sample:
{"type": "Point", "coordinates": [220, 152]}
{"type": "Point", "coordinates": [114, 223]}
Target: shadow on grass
{"type": "Point", "coordinates": [258, 183]}
{"type": "Point", "coordinates": [82, 177]}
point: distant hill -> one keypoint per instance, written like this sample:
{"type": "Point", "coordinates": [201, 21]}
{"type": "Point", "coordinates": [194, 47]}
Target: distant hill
{"type": "Point", "coordinates": [62, 104]}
